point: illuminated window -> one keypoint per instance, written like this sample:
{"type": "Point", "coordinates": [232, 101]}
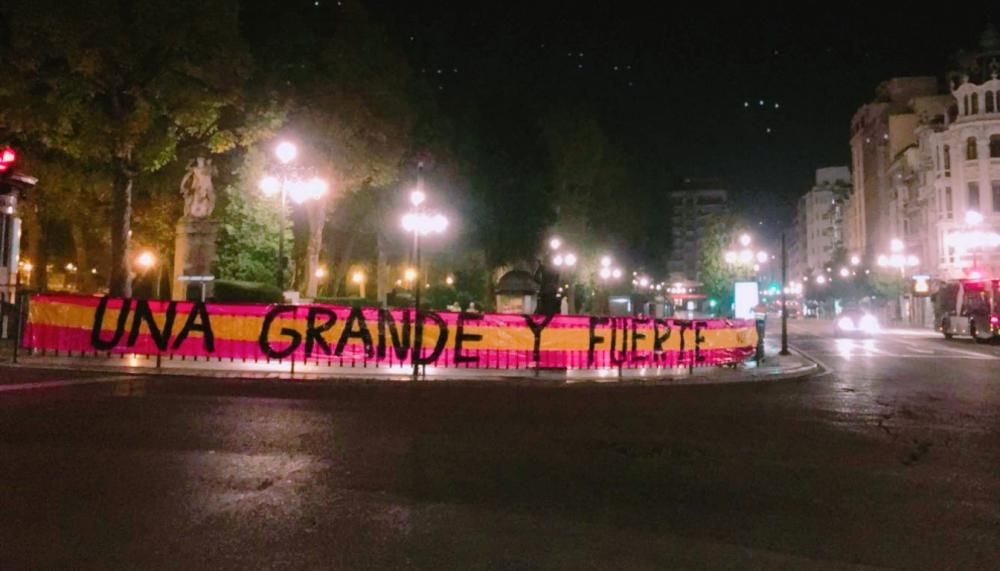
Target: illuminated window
{"type": "Point", "coordinates": [970, 149]}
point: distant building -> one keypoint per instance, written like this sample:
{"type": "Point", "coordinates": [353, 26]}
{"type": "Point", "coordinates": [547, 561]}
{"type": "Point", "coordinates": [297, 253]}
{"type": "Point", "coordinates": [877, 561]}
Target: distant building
{"type": "Point", "coordinates": [964, 157]}
{"type": "Point", "coordinates": [819, 228]}
{"type": "Point", "coordinates": [927, 173]}
{"type": "Point", "coordinates": [692, 203]}
{"type": "Point", "coordinates": [877, 129]}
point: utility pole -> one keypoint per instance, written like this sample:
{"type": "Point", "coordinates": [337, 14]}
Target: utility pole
{"type": "Point", "coordinates": [784, 300]}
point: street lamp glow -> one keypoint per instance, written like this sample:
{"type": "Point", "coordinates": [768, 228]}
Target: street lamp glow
{"type": "Point", "coordinates": [145, 260]}
{"type": "Point", "coordinates": [303, 190]}
{"type": "Point", "coordinates": [883, 260]}
{"type": "Point", "coordinates": [844, 272]}
{"type": "Point", "coordinates": [746, 256]}
{"type": "Point", "coordinates": [855, 260]}
{"type": "Point", "coordinates": [745, 240]}
{"type": "Point", "coordinates": [821, 279]}
{"type": "Point", "coordinates": [762, 257]}
{"type": "Point", "coordinates": [424, 224]}
{"type": "Point", "coordinates": [357, 277]}
{"type": "Point", "coordinates": [570, 260]}
{"type": "Point", "coordinates": [555, 243]}
{"type": "Point", "coordinates": [644, 281]}
{"type": "Point", "coordinates": [896, 245]}
{"type": "Point", "coordinates": [270, 185]}
{"type": "Point", "coordinates": [616, 273]}
{"type": "Point", "coordinates": [449, 280]}
{"type": "Point", "coordinates": [912, 260]}
{"type": "Point", "coordinates": [756, 267]}
{"type": "Point", "coordinates": [417, 197]}
{"type": "Point", "coordinates": [730, 257]}
{"type": "Point", "coordinates": [973, 218]}
{"type": "Point", "coordinates": [320, 272]}
{"type": "Point", "coordinates": [557, 260]}
{"type": "Point", "coordinates": [410, 274]}
{"type": "Point", "coordinates": [606, 261]}
{"type": "Point", "coordinates": [605, 273]}
{"type": "Point", "coordinates": [286, 152]}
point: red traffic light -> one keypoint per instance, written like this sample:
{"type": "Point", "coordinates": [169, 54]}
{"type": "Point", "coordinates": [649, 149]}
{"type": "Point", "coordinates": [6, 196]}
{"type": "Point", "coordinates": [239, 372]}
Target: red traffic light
{"type": "Point", "coordinates": [7, 158]}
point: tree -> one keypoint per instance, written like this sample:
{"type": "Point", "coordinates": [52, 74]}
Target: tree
{"type": "Point", "coordinates": [69, 197]}
{"type": "Point", "coordinates": [717, 276]}
{"type": "Point", "coordinates": [123, 84]}
{"type": "Point", "coordinates": [248, 229]}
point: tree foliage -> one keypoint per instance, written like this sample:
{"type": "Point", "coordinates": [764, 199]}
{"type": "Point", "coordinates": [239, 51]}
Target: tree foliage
{"type": "Point", "coordinates": [124, 84]}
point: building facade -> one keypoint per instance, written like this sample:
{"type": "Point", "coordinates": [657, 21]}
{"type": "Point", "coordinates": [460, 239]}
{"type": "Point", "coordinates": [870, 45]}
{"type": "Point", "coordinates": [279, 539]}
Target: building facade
{"type": "Point", "coordinates": [966, 171]}
{"type": "Point", "coordinates": [692, 204]}
{"type": "Point", "coordinates": [927, 174]}
{"type": "Point", "coordinates": [878, 130]}
{"type": "Point", "coordinates": [821, 219]}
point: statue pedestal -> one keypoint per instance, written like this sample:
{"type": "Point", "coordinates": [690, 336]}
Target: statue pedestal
{"type": "Point", "coordinates": [194, 255]}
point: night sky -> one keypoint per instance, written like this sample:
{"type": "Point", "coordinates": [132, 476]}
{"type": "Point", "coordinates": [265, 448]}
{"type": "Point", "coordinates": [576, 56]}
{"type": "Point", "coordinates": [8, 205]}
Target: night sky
{"type": "Point", "coordinates": [759, 96]}
{"type": "Point", "coordinates": [682, 91]}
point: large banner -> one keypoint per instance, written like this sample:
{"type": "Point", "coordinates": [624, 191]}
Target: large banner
{"type": "Point", "coordinates": [341, 335]}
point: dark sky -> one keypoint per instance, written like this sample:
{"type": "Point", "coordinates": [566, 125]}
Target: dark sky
{"type": "Point", "coordinates": [670, 85]}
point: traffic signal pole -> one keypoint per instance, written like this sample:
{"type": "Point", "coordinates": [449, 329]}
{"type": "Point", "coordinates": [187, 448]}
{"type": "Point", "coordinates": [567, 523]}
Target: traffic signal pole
{"type": "Point", "coordinates": [784, 300]}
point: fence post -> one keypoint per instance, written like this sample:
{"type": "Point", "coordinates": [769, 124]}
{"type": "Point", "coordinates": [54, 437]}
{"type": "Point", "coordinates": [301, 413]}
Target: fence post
{"type": "Point", "coordinates": [21, 313]}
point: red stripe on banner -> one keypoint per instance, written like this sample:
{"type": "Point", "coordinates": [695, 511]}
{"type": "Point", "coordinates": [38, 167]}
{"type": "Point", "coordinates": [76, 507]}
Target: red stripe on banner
{"type": "Point", "coordinates": [77, 338]}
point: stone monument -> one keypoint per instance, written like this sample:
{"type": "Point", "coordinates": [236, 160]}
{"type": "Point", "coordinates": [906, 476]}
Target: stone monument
{"type": "Point", "coordinates": [194, 249]}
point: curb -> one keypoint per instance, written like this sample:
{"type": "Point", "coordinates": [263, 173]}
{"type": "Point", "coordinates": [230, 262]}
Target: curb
{"type": "Point", "coordinates": [374, 375]}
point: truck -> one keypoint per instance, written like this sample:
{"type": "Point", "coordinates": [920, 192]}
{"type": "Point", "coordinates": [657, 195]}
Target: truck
{"type": "Point", "coordinates": [969, 307]}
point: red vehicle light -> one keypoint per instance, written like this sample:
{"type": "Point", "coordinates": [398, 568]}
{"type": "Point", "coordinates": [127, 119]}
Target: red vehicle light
{"type": "Point", "coordinates": [7, 158]}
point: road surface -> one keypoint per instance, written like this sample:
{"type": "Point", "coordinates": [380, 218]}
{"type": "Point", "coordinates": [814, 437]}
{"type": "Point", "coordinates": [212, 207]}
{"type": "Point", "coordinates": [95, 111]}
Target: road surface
{"type": "Point", "coordinates": [891, 459]}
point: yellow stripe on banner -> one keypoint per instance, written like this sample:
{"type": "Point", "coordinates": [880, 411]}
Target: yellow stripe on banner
{"type": "Point", "coordinates": [509, 337]}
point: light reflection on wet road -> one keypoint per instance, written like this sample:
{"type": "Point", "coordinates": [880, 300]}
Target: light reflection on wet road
{"type": "Point", "coordinates": [889, 459]}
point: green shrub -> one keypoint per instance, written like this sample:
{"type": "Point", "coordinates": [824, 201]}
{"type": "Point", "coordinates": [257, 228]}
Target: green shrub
{"type": "Point", "coordinates": [238, 291]}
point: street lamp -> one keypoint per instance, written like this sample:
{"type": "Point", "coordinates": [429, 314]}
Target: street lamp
{"type": "Point", "coordinates": [146, 260]}
{"type": "Point", "coordinates": [897, 259]}
{"type": "Point", "coordinates": [299, 190]}
{"type": "Point", "coordinates": [420, 223]}
{"type": "Point", "coordinates": [286, 152]}
{"type": "Point", "coordinates": [359, 278]}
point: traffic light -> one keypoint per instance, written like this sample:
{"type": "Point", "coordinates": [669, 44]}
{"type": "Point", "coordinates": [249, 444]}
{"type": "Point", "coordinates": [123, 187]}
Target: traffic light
{"type": "Point", "coordinates": [11, 181]}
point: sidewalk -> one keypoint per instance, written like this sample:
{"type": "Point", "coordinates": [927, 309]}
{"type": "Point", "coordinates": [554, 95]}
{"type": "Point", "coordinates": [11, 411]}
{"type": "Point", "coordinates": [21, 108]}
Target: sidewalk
{"type": "Point", "coordinates": [774, 367]}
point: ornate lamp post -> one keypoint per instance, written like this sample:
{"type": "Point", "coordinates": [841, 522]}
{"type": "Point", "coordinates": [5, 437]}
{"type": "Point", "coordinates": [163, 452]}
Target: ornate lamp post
{"type": "Point", "coordinates": [420, 223]}
{"type": "Point", "coordinates": [287, 186]}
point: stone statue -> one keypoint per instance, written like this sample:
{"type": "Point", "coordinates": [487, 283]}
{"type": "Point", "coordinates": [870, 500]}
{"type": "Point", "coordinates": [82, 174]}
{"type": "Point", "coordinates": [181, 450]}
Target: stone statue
{"type": "Point", "coordinates": [197, 190]}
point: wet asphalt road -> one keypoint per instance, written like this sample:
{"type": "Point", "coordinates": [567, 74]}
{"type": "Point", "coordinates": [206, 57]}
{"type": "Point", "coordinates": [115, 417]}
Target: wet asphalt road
{"type": "Point", "coordinates": [890, 459]}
